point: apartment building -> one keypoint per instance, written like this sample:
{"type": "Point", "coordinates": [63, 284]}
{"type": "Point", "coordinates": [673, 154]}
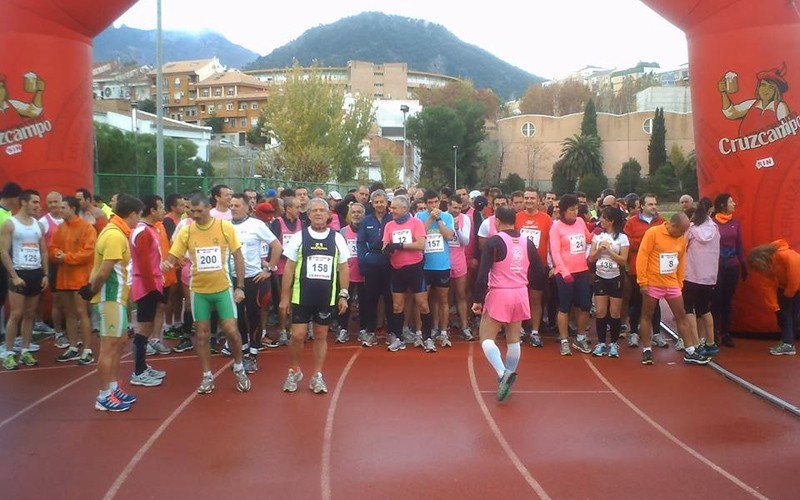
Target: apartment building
{"type": "Point", "coordinates": [237, 98]}
{"type": "Point", "coordinates": [179, 86]}
{"type": "Point", "coordinates": [114, 80]}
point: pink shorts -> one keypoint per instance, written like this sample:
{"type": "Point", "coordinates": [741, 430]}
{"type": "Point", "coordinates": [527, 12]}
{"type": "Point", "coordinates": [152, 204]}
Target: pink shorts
{"type": "Point", "coordinates": [458, 266]}
{"type": "Point", "coordinates": [664, 292]}
{"type": "Point", "coordinates": [507, 305]}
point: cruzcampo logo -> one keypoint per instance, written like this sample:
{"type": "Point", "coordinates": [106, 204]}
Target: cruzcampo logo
{"type": "Point", "coordinates": [764, 119]}
{"type": "Point", "coordinates": [22, 120]}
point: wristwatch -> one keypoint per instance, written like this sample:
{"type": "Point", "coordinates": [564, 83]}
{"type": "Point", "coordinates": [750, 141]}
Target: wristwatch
{"type": "Point", "coordinates": [344, 293]}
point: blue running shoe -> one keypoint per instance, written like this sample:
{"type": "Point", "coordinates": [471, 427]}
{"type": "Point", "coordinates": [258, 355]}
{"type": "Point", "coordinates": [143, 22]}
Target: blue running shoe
{"type": "Point", "coordinates": [124, 397]}
{"type": "Point", "coordinates": [111, 403]}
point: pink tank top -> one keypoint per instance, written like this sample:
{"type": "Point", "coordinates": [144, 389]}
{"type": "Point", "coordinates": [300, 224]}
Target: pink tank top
{"type": "Point", "coordinates": [286, 235]}
{"type": "Point", "coordinates": [456, 250]}
{"type": "Point", "coordinates": [511, 272]}
{"type": "Point", "coordinates": [350, 237]}
{"type": "Point", "coordinates": [52, 226]}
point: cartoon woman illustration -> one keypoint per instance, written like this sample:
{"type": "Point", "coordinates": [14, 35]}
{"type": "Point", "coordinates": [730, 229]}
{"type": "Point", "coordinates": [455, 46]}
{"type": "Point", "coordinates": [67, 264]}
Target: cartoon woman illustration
{"type": "Point", "coordinates": [763, 112]}
{"type": "Point", "coordinates": [32, 84]}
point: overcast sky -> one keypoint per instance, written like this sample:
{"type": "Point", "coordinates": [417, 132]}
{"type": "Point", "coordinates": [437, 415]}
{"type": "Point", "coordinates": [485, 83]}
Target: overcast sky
{"type": "Point", "coordinates": [549, 38]}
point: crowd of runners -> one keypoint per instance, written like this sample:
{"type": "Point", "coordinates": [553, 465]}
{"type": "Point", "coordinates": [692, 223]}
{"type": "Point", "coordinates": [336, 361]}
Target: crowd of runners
{"type": "Point", "coordinates": [238, 273]}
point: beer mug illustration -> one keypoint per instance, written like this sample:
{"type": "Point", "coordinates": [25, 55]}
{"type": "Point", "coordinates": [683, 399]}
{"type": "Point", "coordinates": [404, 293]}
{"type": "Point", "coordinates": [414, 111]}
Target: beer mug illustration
{"type": "Point", "coordinates": [731, 82]}
{"type": "Point", "coordinates": [30, 82]}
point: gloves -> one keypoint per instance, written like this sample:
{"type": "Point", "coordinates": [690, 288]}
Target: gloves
{"type": "Point", "coordinates": [86, 292]}
{"type": "Point", "coordinates": [391, 248]}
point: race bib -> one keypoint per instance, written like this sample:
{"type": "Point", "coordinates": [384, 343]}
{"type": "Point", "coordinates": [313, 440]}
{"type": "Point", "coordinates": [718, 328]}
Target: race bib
{"type": "Point", "coordinates": [434, 243]}
{"type": "Point", "coordinates": [30, 254]}
{"type": "Point", "coordinates": [668, 262]}
{"type": "Point", "coordinates": [208, 259]}
{"type": "Point", "coordinates": [401, 236]}
{"type": "Point", "coordinates": [351, 245]}
{"type": "Point", "coordinates": [285, 238]}
{"type": "Point", "coordinates": [454, 242]}
{"type": "Point", "coordinates": [532, 234]}
{"type": "Point", "coordinates": [577, 244]}
{"type": "Point", "coordinates": [606, 264]}
{"type": "Point", "coordinates": [319, 267]}
{"type": "Point", "coordinates": [264, 250]}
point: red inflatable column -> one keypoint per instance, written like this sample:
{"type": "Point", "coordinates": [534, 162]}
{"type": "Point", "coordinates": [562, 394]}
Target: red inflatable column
{"type": "Point", "coordinates": [744, 59]}
{"type": "Point", "coordinates": [46, 137]}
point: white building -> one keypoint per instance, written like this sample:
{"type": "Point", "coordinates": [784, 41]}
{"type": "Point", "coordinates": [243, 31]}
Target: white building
{"type": "Point", "coordinates": [674, 99]}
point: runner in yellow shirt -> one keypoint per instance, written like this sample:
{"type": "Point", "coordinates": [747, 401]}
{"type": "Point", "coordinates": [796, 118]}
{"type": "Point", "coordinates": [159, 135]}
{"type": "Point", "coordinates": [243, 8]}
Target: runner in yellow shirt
{"type": "Point", "coordinates": [209, 242]}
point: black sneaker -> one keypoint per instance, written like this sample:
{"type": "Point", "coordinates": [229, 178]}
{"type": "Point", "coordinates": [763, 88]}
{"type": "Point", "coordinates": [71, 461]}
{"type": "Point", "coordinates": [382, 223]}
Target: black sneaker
{"type": "Point", "coordinates": [695, 358]}
{"type": "Point", "coordinates": [647, 357]}
{"type": "Point", "coordinates": [71, 354]}
{"type": "Point", "coordinates": [184, 345]}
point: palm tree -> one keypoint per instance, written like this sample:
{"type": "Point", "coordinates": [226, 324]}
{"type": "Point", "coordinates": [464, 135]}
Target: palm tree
{"type": "Point", "coordinates": [581, 156]}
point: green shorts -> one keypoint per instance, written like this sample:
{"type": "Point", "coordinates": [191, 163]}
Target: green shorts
{"type": "Point", "coordinates": [112, 318]}
{"type": "Point", "coordinates": [204, 303]}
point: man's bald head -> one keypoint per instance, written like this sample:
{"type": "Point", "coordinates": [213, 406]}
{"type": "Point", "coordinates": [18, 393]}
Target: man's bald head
{"type": "Point", "coordinates": [678, 224]}
{"type": "Point", "coordinates": [609, 201]}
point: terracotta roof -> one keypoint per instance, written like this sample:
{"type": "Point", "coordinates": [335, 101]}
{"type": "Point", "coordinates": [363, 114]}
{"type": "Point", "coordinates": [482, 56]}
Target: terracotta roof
{"type": "Point", "coordinates": [182, 66]}
{"type": "Point", "coordinates": [122, 106]}
{"type": "Point", "coordinates": [232, 77]}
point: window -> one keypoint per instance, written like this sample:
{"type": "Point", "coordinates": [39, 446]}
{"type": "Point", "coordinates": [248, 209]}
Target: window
{"type": "Point", "coordinates": [253, 105]}
{"type": "Point", "coordinates": [176, 95]}
{"type": "Point", "coordinates": [202, 108]}
{"type": "Point", "coordinates": [253, 122]}
{"type": "Point", "coordinates": [165, 84]}
{"type": "Point", "coordinates": [231, 90]}
{"type": "Point", "coordinates": [242, 106]}
{"type": "Point", "coordinates": [243, 122]}
{"type": "Point", "coordinates": [229, 106]}
{"type": "Point", "coordinates": [164, 100]}
{"type": "Point", "coordinates": [528, 129]}
{"type": "Point", "coordinates": [217, 92]}
{"type": "Point", "coordinates": [204, 93]}
{"type": "Point", "coordinates": [210, 108]}
{"type": "Point", "coordinates": [177, 81]}
{"type": "Point", "coordinates": [647, 126]}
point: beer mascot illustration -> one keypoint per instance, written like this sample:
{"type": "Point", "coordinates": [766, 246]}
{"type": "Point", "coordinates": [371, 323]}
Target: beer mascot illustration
{"type": "Point", "coordinates": [766, 110]}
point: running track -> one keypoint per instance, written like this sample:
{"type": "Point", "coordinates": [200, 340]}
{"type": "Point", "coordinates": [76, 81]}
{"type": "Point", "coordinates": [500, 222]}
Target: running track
{"type": "Point", "coordinates": [399, 426]}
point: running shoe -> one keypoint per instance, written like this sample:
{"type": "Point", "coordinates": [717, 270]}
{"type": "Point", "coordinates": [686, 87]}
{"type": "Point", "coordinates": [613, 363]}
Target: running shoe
{"type": "Point", "coordinates": [155, 373]}
{"type": "Point", "coordinates": [396, 345]}
{"type": "Point", "coordinates": [42, 327]}
{"type": "Point", "coordinates": [206, 386]}
{"type": "Point", "coordinates": [418, 340]}
{"type": "Point", "coordinates": [696, 357]}
{"type": "Point", "coordinates": [429, 345]}
{"type": "Point", "coordinates": [679, 345]}
{"type": "Point", "coordinates": [599, 350]}
{"type": "Point", "coordinates": [27, 359]}
{"type": "Point", "coordinates": [145, 379]}
{"type": "Point", "coordinates": [71, 354]}
{"type": "Point", "coordinates": [111, 403]}
{"type": "Point", "coordinates": [10, 361]}
{"type": "Point", "coordinates": [149, 350]}
{"type": "Point", "coordinates": [565, 350]}
{"type": "Point", "coordinates": [160, 347]}
{"type": "Point", "coordinates": [444, 339]}
{"type": "Point", "coordinates": [250, 364]}
{"type": "Point", "coordinates": [659, 340]}
{"type": "Point", "coordinates": [292, 379]}
{"type": "Point", "coordinates": [369, 340]}
{"type": "Point", "coordinates": [343, 337]}
{"type": "Point", "coordinates": [647, 357]}
{"type": "Point", "coordinates": [242, 381]}
{"type": "Point", "coordinates": [709, 350]}
{"type": "Point", "coordinates": [283, 338]}
{"type": "Point", "coordinates": [435, 332]}
{"type": "Point", "coordinates": [212, 345]}
{"type": "Point", "coordinates": [317, 384]}
{"type": "Point", "coordinates": [408, 335]}
{"type": "Point", "coordinates": [467, 335]}
{"type": "Point", "coordinates": [504, 384]}
{"type": "Point", "coordinates": [174, 331]}
{"type": "Point", "coordinates": [123, 396]}
{"type": "Point", "coordinates": [613, 350]}
{"type": "Point", "coordinates": [783, 349]}
{"type": "Point", "coordinates": [184, 345]}
{"type": "Point", "coordinates": [31, 347]}
{"type": "Point", "coordinates": [536, 340]}
{"type": "Point", "coordinates": [266, 342]}
{"type": "Point", "coordinates": [61, 341]}
{"type": "Point", "coordinates": [86, 358]}
{"type": "Point", "coordinates": [633, 339]}
{"type": "Point", "coordinates": [582, 345]}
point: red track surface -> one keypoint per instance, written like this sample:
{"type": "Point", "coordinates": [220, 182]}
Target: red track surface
{"type": "Point", "coordinates": [400, 425]}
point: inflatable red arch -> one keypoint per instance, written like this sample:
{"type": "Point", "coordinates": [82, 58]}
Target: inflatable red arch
{"type": "Point", "coordinates": [746, 130]}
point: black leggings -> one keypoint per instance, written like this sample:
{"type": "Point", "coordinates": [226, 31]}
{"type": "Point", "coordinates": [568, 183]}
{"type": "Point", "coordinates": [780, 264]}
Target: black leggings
{"type": "Point", "coordinates": [376, 285]}
{"type": "Point", "coordinates": [356, 289]}
{"type": "Point", "coordinates": [788, 316]}
{"type": "Point", "coordinates": [635, 308]}
{"type": "Point", "coordinates": [249, 313]}
{"type": "Point", "coordinates": [722, 304]}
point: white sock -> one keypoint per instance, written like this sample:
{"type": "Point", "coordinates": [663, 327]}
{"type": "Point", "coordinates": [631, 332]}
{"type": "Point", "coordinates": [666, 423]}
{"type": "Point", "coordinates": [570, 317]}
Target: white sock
{"type": "Point", "coordinates": [512, 356]}
{"type": "Point", "coordinates": [102, 395]}
{"type": "Point", "coordinates": [689, 350]}
{"type": "Point", "coordinates": [581, 336]}
{"type": "Point", "coordinates": [237, 367]}
{"type": "Point", "coordinates": [492, 353]}
{"type": "Point", "coordinates": [113, 386]}
{"type": "Point", "coordinates": [208, 374]}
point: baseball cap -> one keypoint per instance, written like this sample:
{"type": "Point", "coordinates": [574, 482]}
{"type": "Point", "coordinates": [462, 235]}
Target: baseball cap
{"type": "Point", "coordinates": [480, 202]}
{"type": "Point", "coordinates": [271, 193]}
{"type": "Point", "coordinates": [334, 195]}
{"type": "Point", "coordinates": [474, 194]}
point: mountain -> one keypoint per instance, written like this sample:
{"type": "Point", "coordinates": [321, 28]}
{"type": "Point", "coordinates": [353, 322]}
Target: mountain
{"type": "Point", "coordinates": [381, 38]}
{"type": "Point", "coordinates": [131, 44]}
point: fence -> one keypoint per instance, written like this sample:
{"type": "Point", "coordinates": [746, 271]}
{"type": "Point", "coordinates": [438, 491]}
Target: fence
{"type": "Point", "coordinates": [141, 184]}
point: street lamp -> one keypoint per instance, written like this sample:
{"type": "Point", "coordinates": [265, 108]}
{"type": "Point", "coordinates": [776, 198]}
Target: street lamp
{"type": "Point", "coordinates": [404, 109]}
{"type": "Point", "coordinates": [455, 168]}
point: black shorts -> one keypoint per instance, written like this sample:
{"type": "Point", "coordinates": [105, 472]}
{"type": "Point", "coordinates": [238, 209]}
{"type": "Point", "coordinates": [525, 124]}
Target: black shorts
{"type": "Point", "coordinates": [697, 298]}
{"type": "Point", "coordinates": [576, 294]}
{"type": "Point", "coordinates": [146, 306]}
{"type": "Point", "coordinates": [33, 282]}
{"type": "Point", "coordinates": [320, 315]}
{"type": "Point", "coordinates": [409, 279]}
{"type": "Point", "coordinates": [538, 281]}
{"type": "Point", "coordinates": [608, 286]}
{"type": "Point", "coordinates": [437, 279]}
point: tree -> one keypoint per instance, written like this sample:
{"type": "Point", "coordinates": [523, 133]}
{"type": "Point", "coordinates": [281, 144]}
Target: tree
{"type": "Point", "coordinates": [571, 96]}
{"type": "Point", "coordinates": [657, 149]}
{"type": "Point", "coordinates": [663, 183]}
{"type": "Point", "coordinates": [147, 105]}
{"type": "Point", "coordinates": [593, 184]}
{"type": "Point", "coordinates": [215, 122]}
{"type": "Point", "coordinates": [561, 183]}
{"type": "Point", "coordinates": [538, 100]}
{"type": "Point", "coordinates": [511, 183]}
{"type": "Point", "coordinates": [319, 131]}
{"type": "Point", "coordinates": [689, 177]}
{"type": "Point", "coordinates": [536, 154]}
{"type": "Point", "coordinates": [589, 123]}
{"type": "Point", "coordinates": [581, 156]}
{"type": "Point", "coordinates": [258, 135]}
{"type": "Point", "coordinates": [555, 99]}
{"type": "Point", "coordinates": [389, 168]}
{"type": "Point", "coordinates": [453, 92]}
{"type": "Point", "coordinates": [629, 179]}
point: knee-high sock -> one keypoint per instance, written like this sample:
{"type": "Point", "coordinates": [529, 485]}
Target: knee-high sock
{"type": "Point", "coordinates": [602, 326]}
{"type": "Point", "coordinates": [492, 353]}
{"type": "Point", "coordinates": [427, 323]}
{"type": "Point", "coordinates": [188, 321]}
{"type": "Point", "coordinates": [139, 350]}
{"type": "Point", "coordinates": [512, 356]}
{"type": "Point", "coordinates": [396, 323]}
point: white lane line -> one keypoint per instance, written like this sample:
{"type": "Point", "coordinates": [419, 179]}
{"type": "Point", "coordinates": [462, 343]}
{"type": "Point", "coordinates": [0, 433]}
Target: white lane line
{"type": "Point", "coordinates": [75, 365]}
{"type": "Point", "coordinates": [688, 449]}
{"type": "Point", "coordinates": [328, 435]}
{"type": "Point", "coordinates": [137, 457]}
{"type": "Point", "coordinates": [535, 486]}
{"type": "Point", "coordinates": [48, 396]}
{"type": "Point", "coordinates": [553, 392]}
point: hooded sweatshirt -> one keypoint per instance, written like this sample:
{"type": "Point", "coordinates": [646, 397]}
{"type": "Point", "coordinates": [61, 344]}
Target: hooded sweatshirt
{"type": "Point", "coordinates": [702, 253]}
{"type": "Point", "coordinates": [784, 274]}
